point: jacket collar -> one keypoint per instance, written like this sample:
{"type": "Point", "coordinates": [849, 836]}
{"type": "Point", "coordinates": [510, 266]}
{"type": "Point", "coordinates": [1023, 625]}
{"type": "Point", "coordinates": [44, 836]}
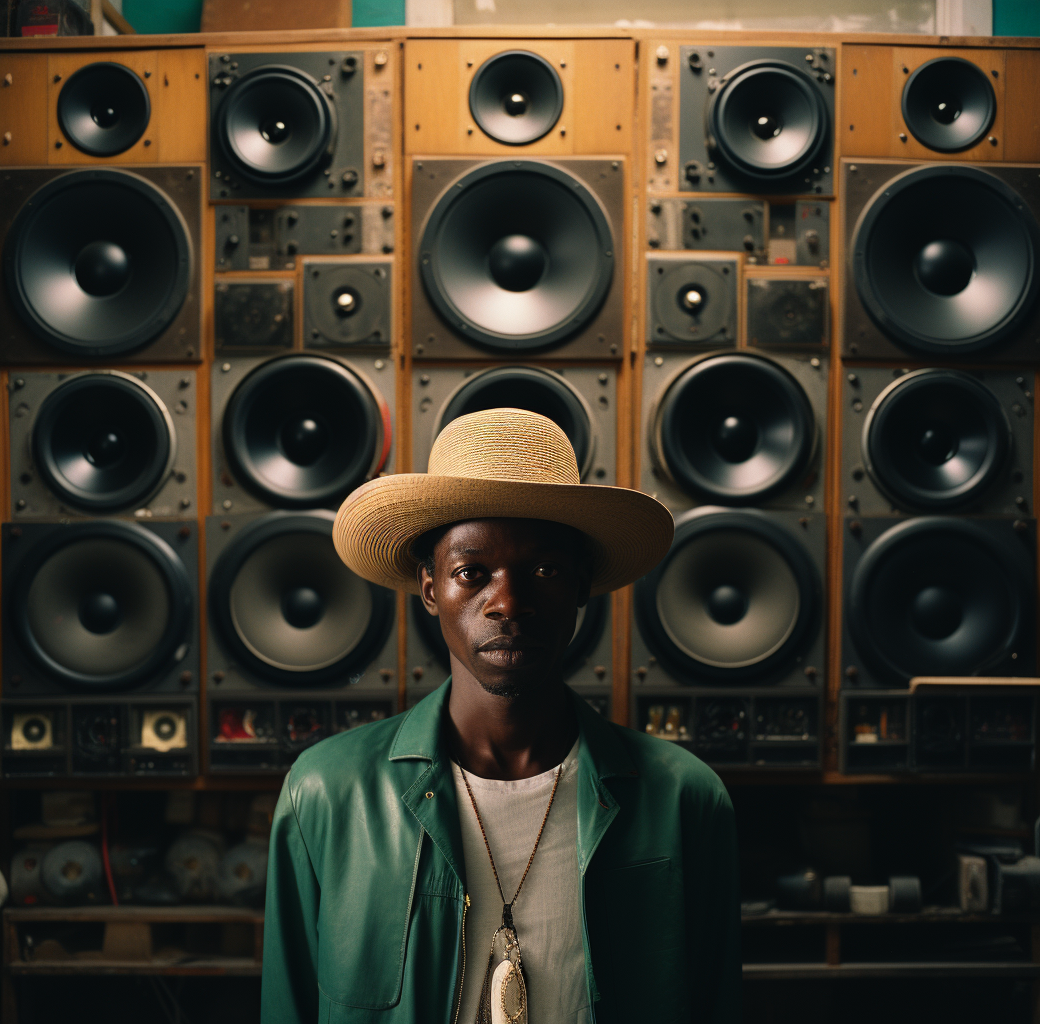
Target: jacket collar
{"type": "Point", "coordinates": [602, 755]}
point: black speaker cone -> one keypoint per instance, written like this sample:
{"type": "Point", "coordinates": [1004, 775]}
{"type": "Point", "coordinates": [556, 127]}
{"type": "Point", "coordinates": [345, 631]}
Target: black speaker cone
{"type": "Point", "coordinates": [531, 388]}
{"type": "Point", "coordinates": [935, 439]}
{"type": "Point", "coordinates": [276, 125]}
{"type": "Point", "coordinates": [347, 304]}
{"type": "Point", "coordinates": [517, 255]}
{"type": "Point", "coordinates": [945, 259]}
{"type": "Point", "coordinates": [98, 262]}
{"type": "Point", "coordinates": [692, 302]}
{"type": "Point", "coordinates": [939, 596]}
{"type": "Point", "coordinates": [516, 97]}
{"type": "Point", "coordinates": [103, 109]}
{"type": "Point", "coordinates": [103, 442]}
{"type": "Point", "coordinates": [948, 104]}
{"type": "Point", "coordinates": [737, 597]}
{"type": "Point", "coordinates": [287, 607]}
{"type": "Point", "coordinates": [302, 431]}
{"type": "Point", "coordinates": [735, 428]}
{"type": "Point", "coordinates": [767, 120]}
{"type": "Point", "coordinates": [102, 605]}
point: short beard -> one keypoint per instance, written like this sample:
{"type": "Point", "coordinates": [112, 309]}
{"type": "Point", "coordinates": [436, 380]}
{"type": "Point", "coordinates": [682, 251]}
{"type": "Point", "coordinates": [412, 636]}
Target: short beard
{"type": "Point", "coordinates": [510, 691]}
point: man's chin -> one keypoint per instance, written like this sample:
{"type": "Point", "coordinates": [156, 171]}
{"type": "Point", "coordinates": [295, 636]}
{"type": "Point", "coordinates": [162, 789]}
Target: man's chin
{"type": "Point", "coordinates": [516, 684]}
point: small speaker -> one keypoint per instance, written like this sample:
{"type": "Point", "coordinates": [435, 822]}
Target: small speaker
{"type": "Point", "coordinates": [103, 442]}
{"type": "Point", "coordinates": [297, 431]}
{"type": "Point", "coordinates": [784, 312]}
{"type": "Point", "coordinates": [32, 730]}
{"type": "Point", "coordinates": [734, 428]}
{"type": "Point", "coordinates": [253, 315]}
{"type": "Point", "coordinates": [579, 400]}
{"type": "Point", "coordinates": [515, 256]}
{"type": "Point", "coordinates": [691, 302]}
{"type": "Point", "coordinates": [99, 264]}
{"type": "Point", "coordinates": [938, 596]}
{"type": "Point", "coordinates": [948, 104]}
{"type": "Point", "coordinates": [164, 730]}
{"type": "Point", "coordinates": [71, 873]}
{"type": "Point", "coordinates": [287, 613]}
{"type": "Point", "coordinates": [98, 607]}
{"type": "Point", "coordinates": [756, 119]}
{"type": "Point", "coordinates": [34, 741]}
{"type": "Point", "coordinates": [516, 97]}
{"type": "Point", "coordinates": [347, 304]}
{"type": "Point", "coordinates": [930, 284]}
{"type": "Point", "coordinates": [937, 439]}
{"type": "Point", "coordinates": [104, 108]}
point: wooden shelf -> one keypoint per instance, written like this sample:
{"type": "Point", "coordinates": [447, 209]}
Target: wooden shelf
{"type": "Point", "coordinates": [160, 915]}
{"type": "Point", "coordinates": [242, 966]}
{"type": "Point", "coordinates": [956, 969]}
{"type": "Point", "coordinates": [930, 915]}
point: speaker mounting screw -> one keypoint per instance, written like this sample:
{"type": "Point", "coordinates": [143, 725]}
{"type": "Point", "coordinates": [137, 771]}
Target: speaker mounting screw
{"type": "Point", "coordinates": [857, 405]}
{"type": "Point", "coordinates": [185, 502]}
{"type": "Point", "coordinates": [226, 503]}
{"type": "Point", "coordinates": [853, 380]}
{"type": "Point", "coordinates": [661, 157]}
{"type": "Point", "coordinates": [992, 140]}
{"type": "Point", "coordinates": [7, 138]}
{"type": "Point", "coordinates": [350, 176]}
{"type": "Point", "coordinates": [658, 360]}
{"type": "Point", "coordinates": [902, 136]}
{"type": "Point", "coordinates": [185, 678]}
{"type": "Point", "coordinates": [810, 671]}
{"type": "Point", "coordinates": [218, 677]}
{"type": "Point", "coordinates": [641, 672]}
{"type": "Point", "coordinates": [853, 501]}
{"type": "Point", "coordinates": [57, 78]}
{"type": "Point", "coordinates": [20, 504]}
{"type": "Point", "coordinates": [815, 363]}
{"type": "Point", "coordinates": [1019, 526]}
{"type": "Point", "coordinates": [810, 500]}
{"type": "Point", "coordinates": [851, 672]}
{"type": "Point", "coordinates": [857, 473]}
{"type": "Point", "coordinates": [424, 379]}
{"type": "Point", "coordinates": [600, 671]}
{"type": "Point", "coordinates": [19, 382]}
{"type": "Point", "coordinates": [855, 527]}
{"type": "Point", "coordinates": [603, 379]}
{"type": "Point", "coordinates": [417, 672]}
{"type": "Point", "coordinates": [1020, 501]}
{"type": "Point", "coordinates": [57, 143]}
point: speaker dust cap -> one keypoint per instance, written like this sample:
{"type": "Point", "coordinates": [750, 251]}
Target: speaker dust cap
{"type": "Point", "coordinates": [945, 259]}
{"type": "Point", "coordinates": [516, 97]}
{"type": "Point", "coordinates": [693, 302]}
{"type": "Point", "coordinates": [935, 439]}
{"type": "Point", "coordinates": [103, 109]}
{"type": "Point", "coordinates": [948, 104]}
{"type": "Point", "coordinates": [302, 431]}
{"type": "Point", "coordinates": [736, 428]}
{"type": "Point", "coordinates": [736, 598]}
{"type": "Point", "coordinates": [517, 255]}
{"type": "Point", "coordinates": [289, 609]}
{"type": "Point", "coordinates": [103, 441]}
{"type": "Point", "coordinates": [98, 262]}
{"type": "Point", "coordinates": [102, 606]}
{"type": "Point", "coordinates": [939, 596]}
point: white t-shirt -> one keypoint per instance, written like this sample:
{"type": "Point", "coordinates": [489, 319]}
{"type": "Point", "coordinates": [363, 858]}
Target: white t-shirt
{"type": "Point", "coordinates": [547, 914]}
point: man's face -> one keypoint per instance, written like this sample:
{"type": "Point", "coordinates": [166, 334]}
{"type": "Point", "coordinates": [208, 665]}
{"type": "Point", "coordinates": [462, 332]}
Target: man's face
{"type": "Point", "coordinates": [507, 592]}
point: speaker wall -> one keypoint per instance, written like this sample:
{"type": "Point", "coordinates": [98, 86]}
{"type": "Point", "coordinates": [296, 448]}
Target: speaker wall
{"type": "Point", "coordinates": [733, 428]}
{"type": "Point", "coordinates": [103, 442]}
{"type": "Point", "coordinates": [99, 607]}
{"type": "Point", "coordinates": [580, 400]}
{"type": "Point", "coordinates": [784, 312]}
{"type": "Point", "coordinates": [100, 263]}
{"type": "Point", "coordinates": [251, 315]}
{"type": "Point", "coordinates": [297, 431]}
{"type": "Point", "coordinates": [756, 119]}
{"type": "Point", "coordinates": [691, 302]}
{"type": "Point", "coordinates": [937, 439]}
{"type": "Point", "coordinates": [516, 256]}
{"type": "Point", "coordinates": [347, 304]}
{"type": "Point", "coordinates": [928, 283]}
{"type": "Point", "coordinates": [938, 596]}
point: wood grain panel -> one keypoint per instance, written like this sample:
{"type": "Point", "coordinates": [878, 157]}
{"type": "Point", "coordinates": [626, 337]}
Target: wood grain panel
{"type": "Point", "coordinates": [23, 109]}
{"type": "Point", "coordinates": [179, 98]}
{"type": "Point", "coordinates": [864, 121]}
{"type": "Point", "coordinates": [604, 93]}
{"type": "Point", "coordinates": [1022, 106]}
{"type": "Point", "coordinates": [431, 95]}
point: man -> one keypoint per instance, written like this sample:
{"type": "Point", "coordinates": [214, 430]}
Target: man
{"type": "Point", "coordinates": [500, 852]}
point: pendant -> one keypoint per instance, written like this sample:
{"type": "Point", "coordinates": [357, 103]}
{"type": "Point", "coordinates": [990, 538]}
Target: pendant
{"type": "Point", "coordinates": [503, 996]}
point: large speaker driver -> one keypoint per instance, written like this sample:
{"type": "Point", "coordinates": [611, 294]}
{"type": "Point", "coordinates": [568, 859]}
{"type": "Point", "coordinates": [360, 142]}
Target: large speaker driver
{"type": "Point", "coordinates": [103, 441]}
{"type": "Point", "coordinates": [531, 388]}
{"type": "Point", "coordinates": [935, 439]}
{"type": "Point", "coordinates": [516, 97]}
{"type": "Point", "coordinates": [289, 609]}
{"type": "Point", "coordinates": [737, 597]}
{"type": "Point", "coordinates": [945, 259]}
{"type": "Point", "coordinates": [102, 605]}
{"type": "Point", "coordinates": [275, 125]}
{"type": "Point", "coordinates": [948, 104]}
{"type": "Point", "coordinates": [735, 428]}
{"type": "Point", "coordinates": [98, 262]}
{"type": "Point", "coordinates": [940, 597]}
{"type": "Point", "coordinates": [517, 255]}
{"type": "Point", "coordinates": [767, 119]}
{"type": "Point", "coordinates": [302, 431]}
{"type": "Point", "coordinates": [103, 109]}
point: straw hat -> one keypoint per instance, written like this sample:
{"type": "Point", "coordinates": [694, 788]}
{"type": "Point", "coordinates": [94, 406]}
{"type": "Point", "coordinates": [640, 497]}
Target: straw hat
{"type": "Point", "coordinates": [500, 463]}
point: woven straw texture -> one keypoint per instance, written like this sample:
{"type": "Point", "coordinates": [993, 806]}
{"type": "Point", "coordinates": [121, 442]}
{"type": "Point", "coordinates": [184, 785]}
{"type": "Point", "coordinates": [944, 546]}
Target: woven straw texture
{"type": "Point", "coordinates": [501, 463]}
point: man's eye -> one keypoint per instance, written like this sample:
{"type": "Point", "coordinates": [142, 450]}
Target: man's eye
{"type": "Point", "coordinates": [467, 573]}
{"type": "Point", "coordinates": [546, 571]}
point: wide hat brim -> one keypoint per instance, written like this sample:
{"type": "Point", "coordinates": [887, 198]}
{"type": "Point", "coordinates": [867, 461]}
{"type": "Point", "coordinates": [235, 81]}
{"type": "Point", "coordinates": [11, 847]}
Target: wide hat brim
{"type": "Point", "coordinates": [378, 523]}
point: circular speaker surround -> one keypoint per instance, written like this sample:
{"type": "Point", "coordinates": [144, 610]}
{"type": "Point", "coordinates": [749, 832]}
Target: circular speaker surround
{"type": "Point", "coordinates": [935, 439]}
{"type": "Point", "coordinates": [517, 255]}
{"type": "Point", "coordinates": [948, 104]}
{"type": "Point", "coordinates": [939, 283]}
{"type": "Point", "coordinates": [735, 428]}
{"type": "Point", "coordinates": [302, 431]}
{"type": "Point", "coordinates": [767, 119]}
{"type": "Point", "coordinates": [531, 388]}
{"type": "Point", "coordinates": [289, 610]}
{"type": "Point", "coordinates": [98, 262]}
{"type": "Point", "coordinates": [692, 302]}
{"type": "Point", "coordinates": [103, 109]}
{"type": "Point", "coordinates": [103, 605]}
{"type": "Point", "coordinates": [103, 441]}
{"type": "Point", "coordinates": [346, 303]}
{"type": "Point", "coordinates": [275, 125]}
{"type": "Point", "coordinates": [737, 597]}
{"type": "Point", "coordinates": [516, 97]}
{"type": "Point", "coordinates": [938, 596]}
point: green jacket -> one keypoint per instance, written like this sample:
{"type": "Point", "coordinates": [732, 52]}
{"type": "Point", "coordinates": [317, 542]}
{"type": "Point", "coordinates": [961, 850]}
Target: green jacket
{"type": "Point", "coordinates": [366, 881]}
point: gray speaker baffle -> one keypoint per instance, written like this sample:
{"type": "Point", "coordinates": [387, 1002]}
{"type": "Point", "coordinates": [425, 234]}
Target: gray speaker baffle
{"type": "Point", "coordinates": [691, 302]}
{"type": "Point", "coordinates": [253, 315]}
{"type": "Point", "coordinates": [785, 312]}
{"type": "Point", "coordinates": [347, 304]}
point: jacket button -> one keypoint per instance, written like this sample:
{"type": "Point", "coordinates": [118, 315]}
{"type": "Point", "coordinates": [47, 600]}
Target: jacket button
{"type": "Point", "coordinates": [429, 796]}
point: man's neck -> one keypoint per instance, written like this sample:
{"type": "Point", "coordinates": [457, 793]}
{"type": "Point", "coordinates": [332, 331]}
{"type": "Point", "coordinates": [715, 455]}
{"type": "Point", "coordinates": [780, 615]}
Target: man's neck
{"type": "Point", "coordinates": [508, 738]}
